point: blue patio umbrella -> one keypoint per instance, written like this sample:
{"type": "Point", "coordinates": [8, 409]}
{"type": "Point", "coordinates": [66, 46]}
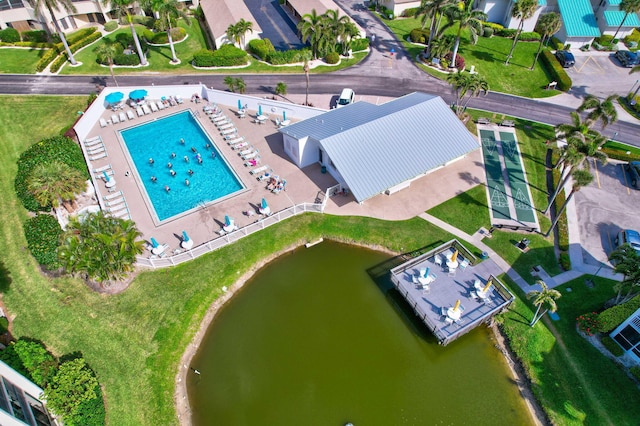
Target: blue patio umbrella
{"type": "Point", "coordinates": [185, 237]}
{"type": "Point", "coordinates": [114, 98]}
{"type": "Point", "coordinates": [106, 176]}
{"type": "Point", "coordinates": [154, 243]}
{"type": "Point", "coordinates": [284, 115]}
{"type": "Point", "coordinates": [426, 273]}
{"type": "Point", "coordinates": [239, 104]}
{"type": "Point", "coordinates": [259, 109]}
{"type": "Point", "coordinates": [228, 221]}
{"type": "Point", "coordinates": [138, 94]}
{"type": "Point", "coordinates": [264, 204]}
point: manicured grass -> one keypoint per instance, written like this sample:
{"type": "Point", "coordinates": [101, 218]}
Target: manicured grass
{"type": "Point", "coordinates": [19, 61]}
{"type": "Point", "coordinates": [575, 383]}
{"type": "Point", "coordinates": [474, 205]}
{"type": "Point", "coordinates": [488, 57]}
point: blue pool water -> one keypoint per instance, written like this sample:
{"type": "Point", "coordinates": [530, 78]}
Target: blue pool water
{"type": "Point", "coordinates": [211, 179]}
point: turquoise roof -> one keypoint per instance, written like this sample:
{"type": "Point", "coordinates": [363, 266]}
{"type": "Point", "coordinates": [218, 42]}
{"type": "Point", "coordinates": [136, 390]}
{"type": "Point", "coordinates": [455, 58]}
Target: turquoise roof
{"type": "Point", "coordinates": [614, 2]}
{"type": "Point", "coordinates": [615, 17]}
{"type": "Point", "coordinates": [578, 18]}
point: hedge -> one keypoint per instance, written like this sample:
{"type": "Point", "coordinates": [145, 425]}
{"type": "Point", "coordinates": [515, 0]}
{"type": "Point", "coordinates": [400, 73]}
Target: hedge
{"type": "Point", "coordinates": [46, 59]}
{"type": "Point", "coordinates": [77, 36]}
{"type": "Point", "coordinates": [286, 57]}
{"type": "Point", "coordinates": [177, 34]}
{"type": "Point", "coordinates": [9, 35]}
{"type": "Point", "coordinates": [33, 44]}
{"type": "Point", "coordinates": [612, 346]}
{"type": "Point", "coordinates": [111, 26]}
{"type": "Point", "coordinates": [418, 35]}
{"type": "Point", "coordinates": [359, 44]}
{"type": "Point", "coordinates": [614, 316]}
{"type": "Point", "coordinates": [229, 55]}
{"type": "Point", "coordinates": [203, 58]}
{"type": "Point", "coordinates": [506, 32]}
{"type": "Point", "coordinates": [332, 58]}
{"type": "Point", "coordinates": [36, 36]}
{"type": "Point", "coordinates": [410, 12]}
{"type": "Point", "coordinates": [261, 48]}
{"type": "Point", "coordinates": [57, 148]}
{"type": "Point", "coordinates": [496, 27]}
{"type": "Point", "coordinates": [89, 413]}
{"type": "Point", "coordinates": [633, 37]}
{"type": "Point", "coordinates": [635, 372]}
{"type": "Point", "coordinates": [556, 71]}
{"type": "Point", "coordinates": [127, 60]}
{"type": "Point", "coordinates": [487, 32]}
{"type": "Point", "coordinates": [556, 44]}
{"type": "Point", "coordinates": [74, 48]}
{"type": "Point", "coordinates": [529, 36]}
{"type": "Point", "coordinates": [147, 21]}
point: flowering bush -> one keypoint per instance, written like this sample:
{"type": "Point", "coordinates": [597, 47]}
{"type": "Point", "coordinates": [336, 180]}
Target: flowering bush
{"type": "Point", "coordinates": [459, 60]}
{"type": "Point", "coordinates": [589, 323]}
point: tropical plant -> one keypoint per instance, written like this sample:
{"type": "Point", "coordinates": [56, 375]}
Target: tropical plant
{"type": "Point", "coordinates": [230, 82]}
{"type": "Point", "coordinates": [569, 158]}
{"type": "Point", "coordinates": [460, 84]}
{"type": "Point", "coordinates": [233, 35]}
{"type": "Point", "coordinates": [106, 52]}
{"type": "Point", "coordinates": [548, 25]}
{"type": "Point", "coordinates": [545, 296]}
{"type": "Point", "coordinates": [312, 28]}
{"type": "Point", "coordinates": [54, 181]}
{"type": "Point", "coordinates": [576, 129]}
{"type": "Point", "coordinates": [167, 11]}
{"type": "Point", "coordinates": [240, 85]}
{"type": "Point", "coordinates": [73, 384]}
{"type": "Point", "coordinates": [626, 262]}
{"type": "Point", "coordinates": [522, 10]}
{"type": "Point", "coordinates": [467, 17]}
{"type": "Point", "coordinates": [306, 57]}
{"type": "Point", "coordinates": [100, 248]}
{"type": "Point", "coordinates": [581, 178]}
{"type": "Point", "coordinates": [243, 27]}
{"type": "Point", "coordinates": [604, 111]}
{"type": "Point", "coordinates": [442, 45]}
{"type": "Point", "coordinates": [68, 6]}
{"type": "Point", "coordinates": [431, 10]}
{"type": "Point", "coordinates": [281, 88]}
{"type": "Point", "coordinates": [477, 86]}
{"type": "Point", "coordinates": [628, 7]}
{"type": "Point", "coordinates": [121, 8]}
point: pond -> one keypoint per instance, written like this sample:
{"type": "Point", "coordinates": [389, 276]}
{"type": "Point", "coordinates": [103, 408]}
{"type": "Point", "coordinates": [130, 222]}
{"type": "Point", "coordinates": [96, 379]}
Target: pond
{"type": "Point", "coordinates": [313, 339]}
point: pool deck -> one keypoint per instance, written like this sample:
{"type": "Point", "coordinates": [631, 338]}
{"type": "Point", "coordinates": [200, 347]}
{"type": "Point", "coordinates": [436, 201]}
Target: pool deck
{"type": "Point", "coordinates": [303, 185]}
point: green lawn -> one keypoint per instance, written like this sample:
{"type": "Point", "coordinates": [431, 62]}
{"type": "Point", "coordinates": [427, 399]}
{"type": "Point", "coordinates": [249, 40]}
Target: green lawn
{"type": "Point", "coordinates": [19, 61]}
{"type": "Point", "coordinates": [575, 383]}
{"type": "Point", "coordinates": [488, 57]}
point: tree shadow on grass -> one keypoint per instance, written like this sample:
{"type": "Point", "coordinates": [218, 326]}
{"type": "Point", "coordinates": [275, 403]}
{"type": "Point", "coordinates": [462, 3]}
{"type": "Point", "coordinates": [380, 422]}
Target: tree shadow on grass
{"type": "Point", "coordinates": [5, 278]}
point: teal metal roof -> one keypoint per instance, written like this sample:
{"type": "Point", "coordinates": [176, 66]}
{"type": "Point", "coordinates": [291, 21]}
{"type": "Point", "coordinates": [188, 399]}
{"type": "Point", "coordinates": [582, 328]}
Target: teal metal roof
{"type": "Point", "coordinates": [614, 2]}
{"type": "Point", "coordinates": [578, 18]}
{"type": "Point", "coordinates": [615, 17]}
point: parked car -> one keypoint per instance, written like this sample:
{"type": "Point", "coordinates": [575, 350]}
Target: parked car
{"type": "Point", "coordinates": [628, 236]}
{"type": "Point", "coordinates": [627, 59]}
{"type": "Point", "coordinates": [565, 58]}
{"type": "Point", "coordinates": [346, 97]}
{"type": "Point", "coordinates": [633, 170]}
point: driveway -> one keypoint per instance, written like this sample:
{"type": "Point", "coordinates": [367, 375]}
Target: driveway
{"type": "Point", "coordinates": [275, 24]}
{"type": "Point", "coordinates": [605, 207]}
{"type": "Point", "coordinates": [600, 74]}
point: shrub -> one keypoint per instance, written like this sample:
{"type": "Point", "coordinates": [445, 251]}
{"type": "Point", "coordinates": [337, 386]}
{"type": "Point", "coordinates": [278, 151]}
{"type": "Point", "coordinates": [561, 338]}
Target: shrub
{"type": "Point", "coordinates": [229, 56]}
{"type": "Point", "coordinates": [612, 346]}
{"type": "Point", "coordinates": [487, 32]}
{"type": "Point", "coordinates": [286, 57]}
{"type": "Point", "coordinates": [46, 59]}
{"type": "Point", "coordinates": [604, 40]}
{"type": "Point", "coordinates": [76, 36]}
{"type": "Point", "coordinates": [332, 58]}
{"type": "Point", "coordinates": [125, 39]}
{"type": "Point", "coordinates": [177, 34]}
{"type": "Point", "coordinates": [496, 27]}
{"type": "Point", "coordinates": [633, 37]}
{"type": "Point", "coordinates": [556, 44]}
{"type": "Point", "coordinates": [111, 26]}
{"type": "Point", "coordinates": [146, 33]}
{"type": "Point", "coordinates": [588, 323]}
{"type": "Point", "coordinates": [147, 21]}
{"type": "Point", "coordinates": [159, 24]}
{"type": "Point", "coordinates": [359, 44]}
{"type": "Point", "coordinates": [60, 60]}
{"type": "Point", "coordinates": [58, 63]}
{"type": "Point", "coordinates": [37, 360]}
{"type": "Point", "coordinates": [9, 35]}
{"type": "Point", "coordinates": [410, 12]}
{"type": "Point", "coordinates": [57, 148]}
{"type": "Point", "coordinates": [89, 413]}
{"type": "Point", "coordinates": [529, 36]}
{"type": "Point", "coordinates": [614, 316]}
{"type": "Point", "coordinates": [459, 60]}
{"type": "Point", "coordinates": [556, 71]}
{"type": "Point", "coordinates": [565, 261]}
{"type": "Point", "coordinates": [418, 35]}
{"type": "Point", "coordinates": [36, 36]}
{"type": "Point", "coordinates": [127, 60]}
{"type": "Point", "coordinates": [43, 233]}
{"type": "Point", "coordinates": [635, 372]}
{"type": "Point", "coordinates": [261, 48]}
{"type": "Point", "coordinates": [506, 32]}
{"type": "Point", "coordinates": [33, 44]}
{"type": "Point", "coordinates": [203, 58]}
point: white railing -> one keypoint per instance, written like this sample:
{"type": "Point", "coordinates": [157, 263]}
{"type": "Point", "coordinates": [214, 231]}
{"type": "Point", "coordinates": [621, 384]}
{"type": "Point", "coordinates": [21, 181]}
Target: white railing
{"type": "Point", "coordinates": [215, 244]}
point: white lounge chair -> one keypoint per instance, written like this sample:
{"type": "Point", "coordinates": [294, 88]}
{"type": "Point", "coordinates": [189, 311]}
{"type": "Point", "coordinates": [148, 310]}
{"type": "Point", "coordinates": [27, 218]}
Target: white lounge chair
{"type": "Point", "coordinates": [93, 142]}
{"type": "Point", "coordinates": [221, 124]}
{"type": "Point", "coordinates": [258, 170]}
{"type": "Point", "coordinates": [122, 214]}
{"type": "Point", "coordinates": [246, 151]}
{"type": "Point", "coordinates": [219, 118]}
{"type": "Point", "coordinates": [251, 155]}
{"type": "Point", "coordinates": [130, 114]}
{"type": "Point", "coordinates": [153, 106]}
{"type": "Point", "coordinates": [240, 145]}
{"type": "Point", "coordinates": [96, 150]}
{"type": "Point", "coordinates": [146, 109]}
{"type": "Point", "coordinates": [114, 119]}
{"type": "Point", "coordinates": [160, 105]}
{"type": "Point", "coordinates": [139, 111]}
{"type": "Point", "coordinates": [253, 162]}
{"type": "Point", "coordinates": [97, 157]}
{"type": "Point", "coordinates": [100, 174]}
{"type": "Point", "coordinates": [102, 169]}
{"type": "Point", "coordinates": [117, 205]}
{"type": "Point", "coordinates": [229, 131]}
{"type": "Point", "coordinates": [225, 126]}
{"type": "Point", "coordinates": [113, 196]}
{"type": "Point", "coordinates": [179, 99]}
{"type": "Point", "coordinates": [103, 122]}
{"type": "Point", "coordinates": [235, 140]}
{"type": "Point", "coordinates": [122, 117]}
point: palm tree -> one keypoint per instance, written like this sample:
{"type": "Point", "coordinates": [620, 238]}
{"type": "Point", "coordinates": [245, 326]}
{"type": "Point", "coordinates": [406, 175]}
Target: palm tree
{"type": "Point", "coordinates": [477, 86]}
{"type": "Point", "coordinates": [233, 34]}
{"type": "Point", "coordinates": [306, 57]}
{"type": "Point", "coordinates": [576, 129]}
{"type": "Point", "coordinates": [460, 82]}
{"type": "Point", "coordinates": [604, 111]}
{"type": "Point", "coordinates": [431, 10]}
{"type": "Point", "coordinates": [230, 82]}
{"type": "Point", "coordinates": [281, 88]}
{"type": "Point", "coordinates": [570, 158]}
{"type": "Point", "coordinates": [628, 7]}
{"type": "Point", "coordinates": [68, 6]}
{"type": "Point", "coordinates": [311, 27]}
{"type": "Point", "coordinates": [545, 296]}
{"type": "Point", "coordinates": [107, 51]}
{"type": "Point", "coordinates": [349, 34]}
{"type": "Point", "coordinates": [243, 27]}
{"type": "Point", "coordinates": [548, 24]}
{"type": "Point", "coordinates": [580, 178]}
{"type": "Point", "coordinates": [523, 10]}
{"type": "Point", "coordinates": [442, 45]}
{"type": "Point", "coordinates": [100, 248]}
{"type": "Point", "coordinates": [467, 18]}
{"type": "Point", "coordinates": [122, 9]}
{"type": "Point", "coordinates": [626, 262]}
{"type": "Point", "coordinates": [166, 11]}
{"type": "Point", "coordinates": [240, 85]}
{"type": "Point", "coordinates": [54, 181]}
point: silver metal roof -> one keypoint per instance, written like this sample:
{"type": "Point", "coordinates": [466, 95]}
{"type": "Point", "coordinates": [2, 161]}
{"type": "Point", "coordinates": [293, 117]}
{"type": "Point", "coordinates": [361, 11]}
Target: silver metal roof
{"type": "Point", "coordinates": [375, 147]}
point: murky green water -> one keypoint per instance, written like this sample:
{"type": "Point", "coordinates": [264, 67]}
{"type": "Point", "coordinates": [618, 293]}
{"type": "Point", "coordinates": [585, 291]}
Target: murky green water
{"type": "Point", "coordinates": [313, 340]}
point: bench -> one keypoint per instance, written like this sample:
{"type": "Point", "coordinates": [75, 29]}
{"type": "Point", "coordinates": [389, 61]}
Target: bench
{"type": "Point", "coordinates": [483, 120]}
{"type": "Point", "coordinates": [508, 123]}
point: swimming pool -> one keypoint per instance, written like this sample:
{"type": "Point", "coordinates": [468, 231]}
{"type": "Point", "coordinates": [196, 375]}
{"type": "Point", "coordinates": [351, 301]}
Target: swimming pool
{"type": "Point", "coordinates": [178, 165]}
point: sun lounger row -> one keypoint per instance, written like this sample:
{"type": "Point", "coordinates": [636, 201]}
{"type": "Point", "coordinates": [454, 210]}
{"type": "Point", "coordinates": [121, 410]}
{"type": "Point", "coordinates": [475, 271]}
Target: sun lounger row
{"type": "Point", "coordinates": [117, 205]}
{"type": "Point", "coordinates": [95, 148]}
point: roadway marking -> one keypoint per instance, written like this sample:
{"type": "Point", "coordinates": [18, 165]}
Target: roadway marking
{"type": "Point", "coordinates": [585, 63]}
{"type": "Point", "coordinates": [626, 183]}
{"type": "Point", "coordinates": [595, 166]}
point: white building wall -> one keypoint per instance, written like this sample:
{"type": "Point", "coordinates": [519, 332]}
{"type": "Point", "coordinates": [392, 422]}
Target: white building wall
{"type": "Point", "coordinates": [309, 151]}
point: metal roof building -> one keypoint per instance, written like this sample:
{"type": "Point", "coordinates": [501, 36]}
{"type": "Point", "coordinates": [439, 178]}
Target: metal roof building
{"type": "Point", "coordinates": [374, 149]}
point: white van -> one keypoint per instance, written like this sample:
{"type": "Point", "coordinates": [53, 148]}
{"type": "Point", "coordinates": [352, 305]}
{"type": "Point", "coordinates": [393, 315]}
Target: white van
{"type": "Point", "coordinates": [346, 97]}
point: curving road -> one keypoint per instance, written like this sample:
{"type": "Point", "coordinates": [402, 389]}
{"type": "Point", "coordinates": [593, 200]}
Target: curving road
{"type": "Point", "coordinates": [379, 74]}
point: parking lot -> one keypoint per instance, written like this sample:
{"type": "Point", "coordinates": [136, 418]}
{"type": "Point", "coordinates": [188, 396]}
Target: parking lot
{"type": "Point", "coordinates": [604, 208]}
{"type": "Point", "coordinates": [600, 74]}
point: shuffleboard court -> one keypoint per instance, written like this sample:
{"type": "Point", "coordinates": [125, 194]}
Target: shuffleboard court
{"type": "Point", "coordinates": [517, 179]}
{"type": "Point", "coordinates": [495, 182]}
